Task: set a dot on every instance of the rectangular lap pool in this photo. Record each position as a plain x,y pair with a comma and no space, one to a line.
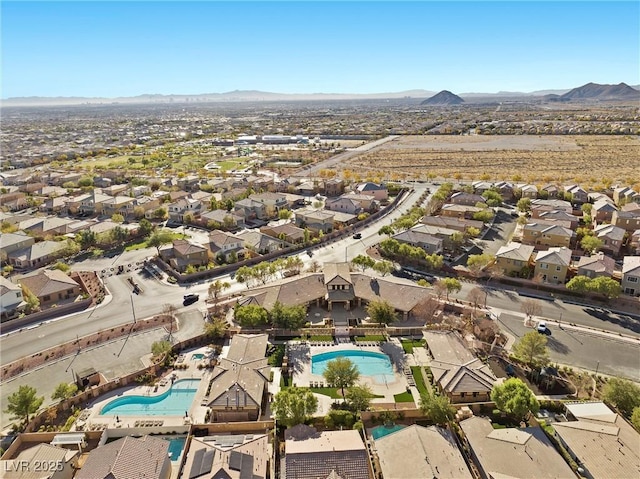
174,402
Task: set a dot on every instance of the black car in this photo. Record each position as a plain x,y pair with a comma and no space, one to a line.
190,299
357,236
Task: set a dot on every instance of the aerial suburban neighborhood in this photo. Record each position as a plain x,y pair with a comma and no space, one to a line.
196,296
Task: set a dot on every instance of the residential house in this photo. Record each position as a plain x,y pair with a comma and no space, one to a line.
631,275
115,190
306,188
42,461
418,451
316,220
427,242
552,204
578,194
456,371
379,192
628,217
185,208
15,201
273,202
250,209
101,182
310,454
480,187
525,453
552,265
128,457
345,205
602,211
11,242
87,204
261,243
558,217
505,189
529,191
445,234
54,205
552,191
623,195
231,456
596,265
612,238
50,226
226,245
239,380
36,255
634,242
222,219
513,257
11,300
542,233
602,442
186,253
146,204
287,232
333,187
458,224
367,202
467,199
140,190
189,183
51,286
459,211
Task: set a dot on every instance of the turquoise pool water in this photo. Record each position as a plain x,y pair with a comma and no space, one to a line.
176,445
174,402
197,357
382,431
375,365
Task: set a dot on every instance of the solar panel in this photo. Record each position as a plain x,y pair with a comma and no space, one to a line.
235,460
202,463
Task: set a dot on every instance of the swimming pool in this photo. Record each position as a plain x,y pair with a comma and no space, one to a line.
176,445
374,365
381,431
197,357
174,402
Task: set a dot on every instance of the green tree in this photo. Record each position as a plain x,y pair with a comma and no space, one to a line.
485,216
437,408
452,285
145,227
623,394
33,303
160,213
119,234
606,286
472,232
159,348
362,262
514,398
341,373
382,312
24,402
158,239
244,275
86,238
117,218
359,397
579,284
477,262
251,315
524,205
294,405
64,267
386,230
635,418
383,267
591,244
532,349
216,288
215,329
288,317
493,198
284,214
64,391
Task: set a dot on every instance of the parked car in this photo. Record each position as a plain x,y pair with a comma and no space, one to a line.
542,327
357,236
190,299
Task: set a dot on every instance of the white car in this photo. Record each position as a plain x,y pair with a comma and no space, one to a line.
542,327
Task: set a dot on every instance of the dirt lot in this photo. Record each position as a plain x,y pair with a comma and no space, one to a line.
592,161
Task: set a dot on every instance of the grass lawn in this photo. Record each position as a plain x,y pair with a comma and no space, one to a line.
403,397
409,345
143,244
417,376
322,338
333,393
286,382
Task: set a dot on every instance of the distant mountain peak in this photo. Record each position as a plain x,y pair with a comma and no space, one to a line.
443,98
596,91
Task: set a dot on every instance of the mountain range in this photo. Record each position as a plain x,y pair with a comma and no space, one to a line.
588,92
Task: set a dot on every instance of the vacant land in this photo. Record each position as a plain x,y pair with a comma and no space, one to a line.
592,161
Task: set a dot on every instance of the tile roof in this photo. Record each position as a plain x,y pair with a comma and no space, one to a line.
37,456
517,251
418,451
48,282
557,256
128,458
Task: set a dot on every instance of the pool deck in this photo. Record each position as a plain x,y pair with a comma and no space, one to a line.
300,354
91,419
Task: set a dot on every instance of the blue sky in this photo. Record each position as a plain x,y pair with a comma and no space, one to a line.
112,49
